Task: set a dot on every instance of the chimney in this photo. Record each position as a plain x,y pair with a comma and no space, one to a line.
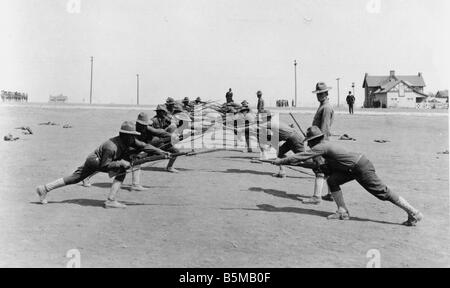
392,73
420,74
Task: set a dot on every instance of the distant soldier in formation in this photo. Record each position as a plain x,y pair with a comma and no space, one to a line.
198,101
170,103
163,121
247,118
229,106
187,105
260,105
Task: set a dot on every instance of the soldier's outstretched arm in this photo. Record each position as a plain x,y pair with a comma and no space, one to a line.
148,148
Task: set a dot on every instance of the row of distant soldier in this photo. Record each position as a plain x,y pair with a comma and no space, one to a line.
14,96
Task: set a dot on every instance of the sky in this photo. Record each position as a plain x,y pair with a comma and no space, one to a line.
200,48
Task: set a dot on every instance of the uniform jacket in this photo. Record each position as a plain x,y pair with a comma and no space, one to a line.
324,118
336,157
112,151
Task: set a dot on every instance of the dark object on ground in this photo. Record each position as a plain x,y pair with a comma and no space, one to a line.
10,137
346,137
381,141
26,130
67,126
445,152
49,123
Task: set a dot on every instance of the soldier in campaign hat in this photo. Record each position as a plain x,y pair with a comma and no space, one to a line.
343,166
112,156
324,117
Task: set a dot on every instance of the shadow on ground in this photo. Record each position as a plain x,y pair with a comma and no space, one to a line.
125,186
100,203
279,193
298,210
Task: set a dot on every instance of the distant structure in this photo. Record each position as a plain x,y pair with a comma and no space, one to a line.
393,91
58,99
442,95
8,96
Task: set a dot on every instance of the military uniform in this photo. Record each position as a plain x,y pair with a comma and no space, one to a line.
324,118
293,139
107,158
343,166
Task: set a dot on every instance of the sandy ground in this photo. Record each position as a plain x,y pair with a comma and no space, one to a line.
221,210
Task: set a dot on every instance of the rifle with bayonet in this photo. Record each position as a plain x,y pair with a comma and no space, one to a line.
136,161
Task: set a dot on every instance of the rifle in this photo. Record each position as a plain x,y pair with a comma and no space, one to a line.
298,125
302,164
140,161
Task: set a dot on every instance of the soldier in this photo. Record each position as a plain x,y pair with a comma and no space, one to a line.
170,104
112,156
229,106
246,117
350,101
344,166
268,127
324,117
164,122
198,101
260,105
187,106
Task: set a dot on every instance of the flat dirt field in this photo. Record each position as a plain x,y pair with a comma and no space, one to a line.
222,210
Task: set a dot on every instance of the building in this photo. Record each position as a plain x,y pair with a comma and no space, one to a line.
393,91
58,99
8,96
442,96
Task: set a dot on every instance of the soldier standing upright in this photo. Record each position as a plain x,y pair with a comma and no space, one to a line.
324,117
350,101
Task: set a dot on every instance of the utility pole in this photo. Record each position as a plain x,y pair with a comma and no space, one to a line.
295,78
137,87
337,79
92,66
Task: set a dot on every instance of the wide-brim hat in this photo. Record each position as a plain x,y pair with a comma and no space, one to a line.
321,87
143,119
313,132
183,116
128,127
161,107
170,101
244,108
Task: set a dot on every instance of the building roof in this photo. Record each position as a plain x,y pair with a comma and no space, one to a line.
388,86
442,94
379,81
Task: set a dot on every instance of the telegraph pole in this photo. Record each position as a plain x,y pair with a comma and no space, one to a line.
90,94
295,78
337,79
137,88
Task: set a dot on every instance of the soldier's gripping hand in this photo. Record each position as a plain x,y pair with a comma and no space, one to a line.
167,155
124,164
